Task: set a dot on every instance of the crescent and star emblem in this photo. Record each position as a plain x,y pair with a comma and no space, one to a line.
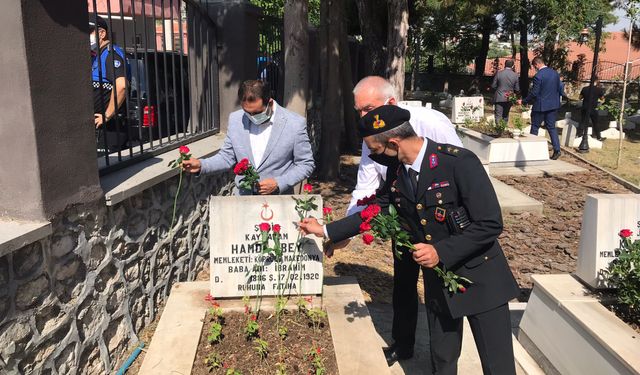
266,213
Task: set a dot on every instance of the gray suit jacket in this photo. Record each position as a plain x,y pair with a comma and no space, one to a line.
504,81
287,157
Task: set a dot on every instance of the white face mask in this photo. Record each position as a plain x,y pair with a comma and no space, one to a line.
261,117
92,40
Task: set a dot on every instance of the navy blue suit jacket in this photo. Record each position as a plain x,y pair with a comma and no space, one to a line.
546,91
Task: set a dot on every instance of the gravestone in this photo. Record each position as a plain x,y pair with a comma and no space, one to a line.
238,266
612,132
467,107
603,217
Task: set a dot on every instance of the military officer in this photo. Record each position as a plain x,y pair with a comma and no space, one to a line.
448,206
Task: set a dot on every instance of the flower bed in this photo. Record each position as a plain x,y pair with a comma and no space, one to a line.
294,341
526,150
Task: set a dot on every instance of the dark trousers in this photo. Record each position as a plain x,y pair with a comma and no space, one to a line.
491,333
502,111
405,300
593,115
549,118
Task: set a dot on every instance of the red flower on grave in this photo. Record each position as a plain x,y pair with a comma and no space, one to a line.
365,226
307,188
368,238
265,227
462,289
318,350
254,317
309,299
276,228
326,211
626,233
246,309
184,150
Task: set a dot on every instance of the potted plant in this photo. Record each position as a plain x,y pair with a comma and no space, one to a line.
518,125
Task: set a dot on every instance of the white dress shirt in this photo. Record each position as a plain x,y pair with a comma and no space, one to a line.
259,136
427,123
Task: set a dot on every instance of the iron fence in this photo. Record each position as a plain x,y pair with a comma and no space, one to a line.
161,59
271,54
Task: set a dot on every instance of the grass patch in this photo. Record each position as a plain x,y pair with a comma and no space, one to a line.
629,167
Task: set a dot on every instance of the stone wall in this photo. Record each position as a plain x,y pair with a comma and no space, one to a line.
74,302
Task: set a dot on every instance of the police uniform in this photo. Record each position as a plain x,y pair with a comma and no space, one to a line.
107,65
455,209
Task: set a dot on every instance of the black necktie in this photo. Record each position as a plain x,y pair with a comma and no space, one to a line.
413,178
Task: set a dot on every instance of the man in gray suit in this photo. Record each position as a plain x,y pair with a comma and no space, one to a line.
504,81
274,140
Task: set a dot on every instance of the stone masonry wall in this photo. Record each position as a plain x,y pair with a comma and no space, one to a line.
74,302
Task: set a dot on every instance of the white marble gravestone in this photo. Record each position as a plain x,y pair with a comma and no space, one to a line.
238,267
603,217
467,107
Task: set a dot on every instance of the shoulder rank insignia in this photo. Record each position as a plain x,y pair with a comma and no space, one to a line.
450,150
433,161
440,214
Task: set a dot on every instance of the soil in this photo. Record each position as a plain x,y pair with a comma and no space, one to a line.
237,352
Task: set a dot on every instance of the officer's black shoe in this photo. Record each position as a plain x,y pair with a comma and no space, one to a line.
395,353
556,155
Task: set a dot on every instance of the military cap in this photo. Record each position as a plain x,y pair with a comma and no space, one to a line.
382,119
102,24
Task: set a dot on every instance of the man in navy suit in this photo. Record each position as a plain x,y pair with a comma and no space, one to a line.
545,97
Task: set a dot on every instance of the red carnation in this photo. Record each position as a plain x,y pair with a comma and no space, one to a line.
307,188
318,350
241,167
309,299
276,228
462,289
370,212
365,226
265,227
254,317
326,210
184,150
367,238
625,233
366,200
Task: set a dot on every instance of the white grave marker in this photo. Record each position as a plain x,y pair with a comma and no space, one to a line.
603,217
467,107
239,268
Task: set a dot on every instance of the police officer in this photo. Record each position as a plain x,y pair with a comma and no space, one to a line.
108,66
446,199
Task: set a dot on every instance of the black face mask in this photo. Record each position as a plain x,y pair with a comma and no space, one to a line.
384,159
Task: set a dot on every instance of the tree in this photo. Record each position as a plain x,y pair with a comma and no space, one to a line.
398,27
296,56
332,101
373,24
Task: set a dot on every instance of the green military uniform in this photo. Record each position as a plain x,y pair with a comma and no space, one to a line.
452,178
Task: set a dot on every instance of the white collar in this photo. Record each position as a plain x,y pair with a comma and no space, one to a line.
417,164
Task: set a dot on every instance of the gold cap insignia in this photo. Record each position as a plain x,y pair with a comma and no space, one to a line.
378,123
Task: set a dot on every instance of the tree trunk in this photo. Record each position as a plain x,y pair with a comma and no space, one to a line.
513,46
332,105
397,44
484,46
296,56
351,139
373,37
524,56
